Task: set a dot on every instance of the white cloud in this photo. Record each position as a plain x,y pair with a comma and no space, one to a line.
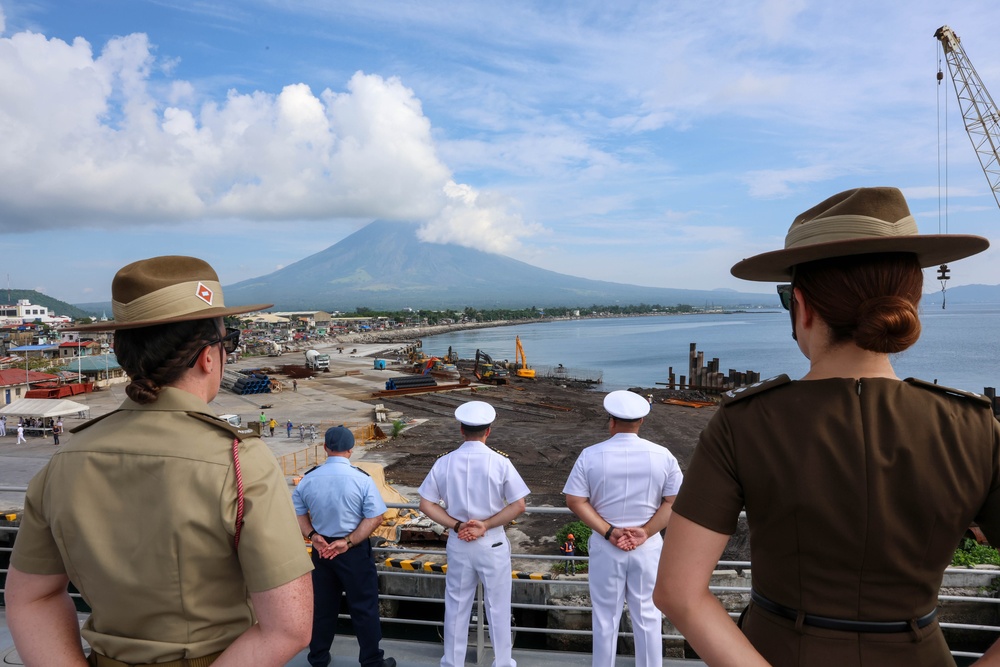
477,220
93,144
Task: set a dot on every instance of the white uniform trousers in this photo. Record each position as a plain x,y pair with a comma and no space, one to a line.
487,560
618,576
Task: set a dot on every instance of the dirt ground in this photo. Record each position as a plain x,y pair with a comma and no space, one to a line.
542,426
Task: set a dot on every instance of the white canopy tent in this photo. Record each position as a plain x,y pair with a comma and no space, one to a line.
43,407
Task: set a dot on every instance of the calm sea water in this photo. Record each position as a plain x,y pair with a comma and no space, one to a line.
959,347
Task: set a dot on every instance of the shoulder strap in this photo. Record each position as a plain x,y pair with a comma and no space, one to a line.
950,391
740,393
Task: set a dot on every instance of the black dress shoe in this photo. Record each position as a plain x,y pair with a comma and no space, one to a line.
389,662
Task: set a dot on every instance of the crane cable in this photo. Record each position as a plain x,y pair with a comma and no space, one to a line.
943,269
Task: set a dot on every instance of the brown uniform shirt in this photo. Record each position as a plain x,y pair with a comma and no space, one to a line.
857,491
139,510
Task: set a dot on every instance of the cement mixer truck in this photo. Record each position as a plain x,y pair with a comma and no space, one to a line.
316,361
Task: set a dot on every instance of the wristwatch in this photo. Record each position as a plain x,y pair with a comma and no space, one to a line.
607,535
310,535
350,545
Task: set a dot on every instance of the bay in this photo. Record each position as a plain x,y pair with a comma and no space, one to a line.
959,347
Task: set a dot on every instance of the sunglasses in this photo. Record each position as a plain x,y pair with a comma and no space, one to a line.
786,296
230,341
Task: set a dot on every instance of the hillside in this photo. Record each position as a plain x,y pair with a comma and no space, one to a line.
12,296
384,266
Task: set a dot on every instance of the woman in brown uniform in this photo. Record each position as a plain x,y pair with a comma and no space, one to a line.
857,485
177,528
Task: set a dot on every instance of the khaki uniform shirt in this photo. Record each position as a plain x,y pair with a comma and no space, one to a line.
139,510
857,492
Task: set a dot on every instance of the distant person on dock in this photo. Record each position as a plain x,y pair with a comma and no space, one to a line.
302,432
295,384
288,428
338,507
568,549
144,510
857,485
623,488
3,425
482,492
272,424
57,431
20,435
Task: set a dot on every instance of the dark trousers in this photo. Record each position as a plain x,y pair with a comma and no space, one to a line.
352,572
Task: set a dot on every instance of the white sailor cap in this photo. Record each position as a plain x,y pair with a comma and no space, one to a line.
626,405
475,413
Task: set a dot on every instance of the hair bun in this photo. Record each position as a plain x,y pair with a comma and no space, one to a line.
887,324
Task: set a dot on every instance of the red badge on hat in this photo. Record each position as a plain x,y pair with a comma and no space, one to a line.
205,294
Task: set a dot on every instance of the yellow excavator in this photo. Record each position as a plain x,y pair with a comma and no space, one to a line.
521,362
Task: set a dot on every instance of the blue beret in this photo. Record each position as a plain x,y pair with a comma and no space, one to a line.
339,439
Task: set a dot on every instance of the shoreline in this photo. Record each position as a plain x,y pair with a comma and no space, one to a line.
413,334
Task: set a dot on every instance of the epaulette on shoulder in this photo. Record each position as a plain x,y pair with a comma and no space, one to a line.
740,393
363,472
89,423
958,393
503,454
310,470
238,432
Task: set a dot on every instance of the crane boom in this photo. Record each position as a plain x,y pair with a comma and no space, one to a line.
982,120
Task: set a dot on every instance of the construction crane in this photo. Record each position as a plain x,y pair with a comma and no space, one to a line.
982,120
520,361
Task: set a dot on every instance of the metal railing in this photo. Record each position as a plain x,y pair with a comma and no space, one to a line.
299,461
478,625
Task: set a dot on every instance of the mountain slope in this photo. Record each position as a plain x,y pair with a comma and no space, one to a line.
55,306
384,266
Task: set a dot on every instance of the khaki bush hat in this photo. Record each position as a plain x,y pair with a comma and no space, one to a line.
163,290
857,222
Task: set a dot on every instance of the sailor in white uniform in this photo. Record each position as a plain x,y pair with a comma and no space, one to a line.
482,493
623,488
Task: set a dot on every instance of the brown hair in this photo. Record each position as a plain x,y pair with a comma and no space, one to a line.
871,299
156,356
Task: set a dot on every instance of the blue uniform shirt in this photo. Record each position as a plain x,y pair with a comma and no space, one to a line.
337,496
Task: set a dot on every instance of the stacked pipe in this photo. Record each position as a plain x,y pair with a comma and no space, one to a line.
409,381
252,384
229,378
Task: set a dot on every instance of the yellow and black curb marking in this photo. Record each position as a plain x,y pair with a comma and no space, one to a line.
428,566
404,564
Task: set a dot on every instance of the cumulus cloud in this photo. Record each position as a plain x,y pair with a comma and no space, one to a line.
476,220
95,140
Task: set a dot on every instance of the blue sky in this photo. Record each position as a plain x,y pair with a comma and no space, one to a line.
652,143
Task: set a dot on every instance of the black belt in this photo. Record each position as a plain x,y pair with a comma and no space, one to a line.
840,624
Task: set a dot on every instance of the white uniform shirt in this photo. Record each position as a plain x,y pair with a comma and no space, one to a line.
474,481
625,477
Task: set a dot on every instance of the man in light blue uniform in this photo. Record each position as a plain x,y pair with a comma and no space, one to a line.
338,507
482,493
